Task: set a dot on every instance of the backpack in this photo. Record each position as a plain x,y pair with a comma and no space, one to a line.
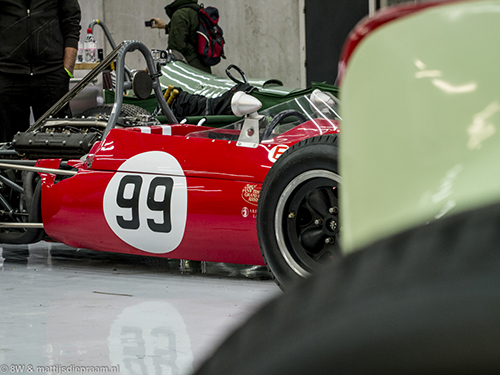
210,42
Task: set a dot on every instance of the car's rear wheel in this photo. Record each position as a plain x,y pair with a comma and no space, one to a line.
298,213
20,203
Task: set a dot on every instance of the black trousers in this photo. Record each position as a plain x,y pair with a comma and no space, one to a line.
19,92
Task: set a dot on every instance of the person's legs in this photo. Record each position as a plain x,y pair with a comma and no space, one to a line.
14,106
48,89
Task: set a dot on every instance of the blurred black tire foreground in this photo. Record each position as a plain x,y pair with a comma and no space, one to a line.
422,302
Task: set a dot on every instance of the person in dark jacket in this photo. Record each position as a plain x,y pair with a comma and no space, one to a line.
182,31
39,44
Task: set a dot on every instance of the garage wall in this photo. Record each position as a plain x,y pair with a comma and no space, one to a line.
264,38
328,23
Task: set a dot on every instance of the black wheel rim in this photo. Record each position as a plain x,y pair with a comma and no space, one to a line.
307,221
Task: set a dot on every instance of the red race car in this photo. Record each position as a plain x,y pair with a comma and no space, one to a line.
177,190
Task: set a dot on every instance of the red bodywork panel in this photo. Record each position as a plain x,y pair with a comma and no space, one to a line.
177,196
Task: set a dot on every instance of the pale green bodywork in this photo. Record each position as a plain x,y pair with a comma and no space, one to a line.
421,132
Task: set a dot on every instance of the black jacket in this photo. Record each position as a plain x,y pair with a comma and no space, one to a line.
34,33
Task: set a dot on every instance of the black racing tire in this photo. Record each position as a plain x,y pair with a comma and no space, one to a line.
33,188
424,301
15,254
298,212
127,110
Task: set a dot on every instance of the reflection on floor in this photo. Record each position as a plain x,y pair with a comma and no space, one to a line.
69,310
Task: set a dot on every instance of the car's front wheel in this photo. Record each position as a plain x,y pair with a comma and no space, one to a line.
298,214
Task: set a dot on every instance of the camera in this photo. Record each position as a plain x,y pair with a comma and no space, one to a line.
149,23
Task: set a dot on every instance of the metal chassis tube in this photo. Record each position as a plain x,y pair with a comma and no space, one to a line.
130,46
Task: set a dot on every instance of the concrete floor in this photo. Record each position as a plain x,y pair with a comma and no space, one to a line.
77,308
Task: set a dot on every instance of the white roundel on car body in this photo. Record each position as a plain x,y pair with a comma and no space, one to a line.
276,152
145,202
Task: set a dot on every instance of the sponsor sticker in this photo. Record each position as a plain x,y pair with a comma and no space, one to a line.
245,212
250,194
249,212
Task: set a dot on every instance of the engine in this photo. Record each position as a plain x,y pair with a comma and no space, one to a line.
70,138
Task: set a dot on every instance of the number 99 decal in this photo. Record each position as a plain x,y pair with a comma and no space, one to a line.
145,203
